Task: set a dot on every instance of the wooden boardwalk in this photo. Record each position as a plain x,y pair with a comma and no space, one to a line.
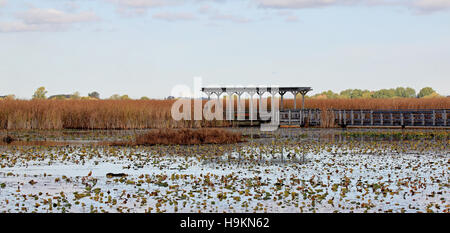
402,118
358,118
312,117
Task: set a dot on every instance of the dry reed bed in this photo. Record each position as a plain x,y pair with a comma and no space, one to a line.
144,114
184,137
86,114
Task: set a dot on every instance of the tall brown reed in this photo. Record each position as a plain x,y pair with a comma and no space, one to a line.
143,114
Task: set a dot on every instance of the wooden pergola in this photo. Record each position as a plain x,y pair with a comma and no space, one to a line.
260,91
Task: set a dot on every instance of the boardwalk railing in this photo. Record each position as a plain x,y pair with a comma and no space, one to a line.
429,117
343,117
300,117
312,117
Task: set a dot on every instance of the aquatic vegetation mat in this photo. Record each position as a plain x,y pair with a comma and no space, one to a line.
397,135
279,174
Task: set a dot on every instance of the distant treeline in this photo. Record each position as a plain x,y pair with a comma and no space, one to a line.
399,92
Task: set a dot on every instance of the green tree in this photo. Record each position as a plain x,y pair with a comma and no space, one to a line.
432,95
40,93
400,92
410,92
366,94
124,97
353,93
384,93
346,93
425,91
144,98
329,94
356,93
94,94
405,92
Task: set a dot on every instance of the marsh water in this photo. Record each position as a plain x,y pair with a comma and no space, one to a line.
288,170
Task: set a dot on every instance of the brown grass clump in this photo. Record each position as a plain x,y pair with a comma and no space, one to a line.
186,137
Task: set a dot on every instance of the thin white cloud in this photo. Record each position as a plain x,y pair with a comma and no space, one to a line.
303,3
142,3
71,6
53,16
158,3
292,18
167,16
431,5
131,8
288,15
214,14
229,17
3,3
204,9
37,19
416,5
23,27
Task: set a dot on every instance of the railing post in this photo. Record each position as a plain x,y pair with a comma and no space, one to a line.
423,118
362,118
434,118
295,99
289,116
317,117
240,114
401,118
253,110
412,119
392,119
301,117
445,117
381,118
345,118
310,116
351,117
371,117
230,107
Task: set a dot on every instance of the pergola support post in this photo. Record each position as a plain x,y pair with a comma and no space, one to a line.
281,99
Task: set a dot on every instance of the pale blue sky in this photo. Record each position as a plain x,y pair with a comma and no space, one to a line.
146,47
